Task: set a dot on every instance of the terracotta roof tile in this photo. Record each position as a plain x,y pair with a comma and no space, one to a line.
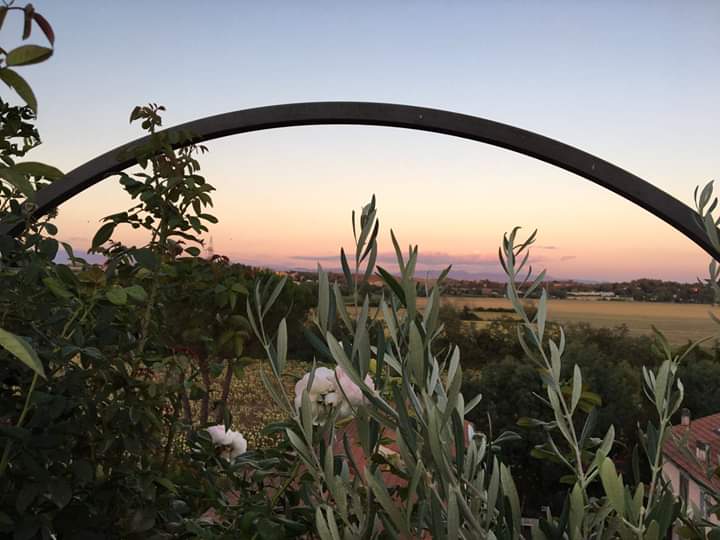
705,429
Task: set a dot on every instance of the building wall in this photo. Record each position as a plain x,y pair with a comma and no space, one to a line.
672,473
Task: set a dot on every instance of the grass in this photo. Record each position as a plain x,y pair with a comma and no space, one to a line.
252,407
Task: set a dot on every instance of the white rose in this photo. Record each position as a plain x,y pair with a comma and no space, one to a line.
331,389
323,384
231,443
351,390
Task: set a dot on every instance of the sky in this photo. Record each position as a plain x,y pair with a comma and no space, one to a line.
634,83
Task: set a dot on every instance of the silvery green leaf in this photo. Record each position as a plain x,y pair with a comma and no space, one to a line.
346,268
577,512
637,501
383,497
443,275
705,196
302,449
341,358
322,525
398,253
434,377
405,453
493,491
653,531
471,519
522,264
711,230
661,384
509,490
554,397
393,363
416,355
328,469
251,318
413,489
460,405
409,288
282,344
413,398
558,453
436,443
431,311
371,243
258,299
363,348
306,415
588,427
541,315
576,388
613,486
389,321
342,308
453,517
472,404
371,262
361,325
536,283
323,299
364,233
555,361
332,524
341,492
274,296
454,389
277,396
520,329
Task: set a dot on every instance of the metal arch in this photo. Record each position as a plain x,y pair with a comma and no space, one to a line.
625,184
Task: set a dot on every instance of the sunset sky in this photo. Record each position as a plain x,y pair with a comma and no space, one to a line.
635,83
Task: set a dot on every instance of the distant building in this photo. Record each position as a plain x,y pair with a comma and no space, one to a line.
591,295
687,473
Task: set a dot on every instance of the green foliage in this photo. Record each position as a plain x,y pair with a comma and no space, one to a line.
99,436
636,508
24,54
109,377
436,483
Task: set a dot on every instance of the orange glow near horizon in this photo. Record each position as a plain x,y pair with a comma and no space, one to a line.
285,208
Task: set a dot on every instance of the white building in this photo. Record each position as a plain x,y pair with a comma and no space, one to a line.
591,295
686,469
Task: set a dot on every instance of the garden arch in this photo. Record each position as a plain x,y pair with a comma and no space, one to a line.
603,173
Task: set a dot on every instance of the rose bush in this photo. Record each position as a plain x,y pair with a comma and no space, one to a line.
107,375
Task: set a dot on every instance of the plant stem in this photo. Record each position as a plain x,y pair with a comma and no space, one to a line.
286,484
6,452
225,392
171,435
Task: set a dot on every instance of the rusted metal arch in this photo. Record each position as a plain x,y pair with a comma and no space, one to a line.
605,174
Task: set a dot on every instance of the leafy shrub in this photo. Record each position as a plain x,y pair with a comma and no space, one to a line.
115,380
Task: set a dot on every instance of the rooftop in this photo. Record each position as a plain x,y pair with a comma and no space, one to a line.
701,430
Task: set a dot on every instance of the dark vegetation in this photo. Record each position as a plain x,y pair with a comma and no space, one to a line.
640,290
107,371
611,361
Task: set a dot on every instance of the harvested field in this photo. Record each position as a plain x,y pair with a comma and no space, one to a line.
679,322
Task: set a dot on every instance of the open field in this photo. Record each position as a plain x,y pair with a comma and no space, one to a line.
679,322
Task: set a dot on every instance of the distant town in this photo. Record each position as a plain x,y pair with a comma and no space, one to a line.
638,290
